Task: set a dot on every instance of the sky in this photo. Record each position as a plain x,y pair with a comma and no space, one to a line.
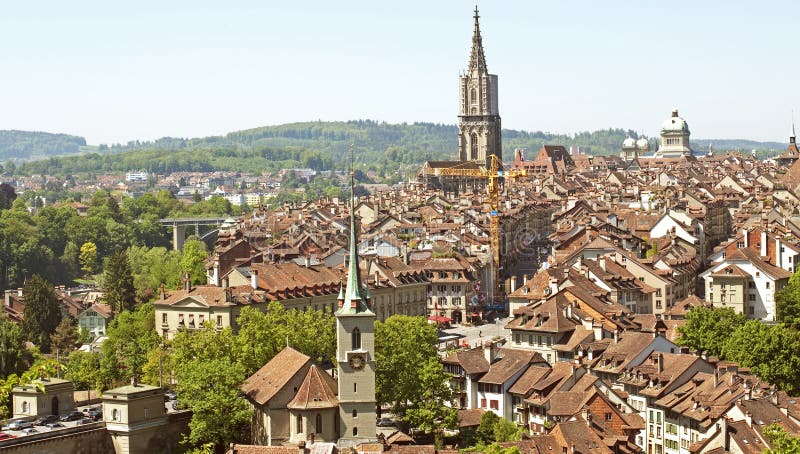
118,71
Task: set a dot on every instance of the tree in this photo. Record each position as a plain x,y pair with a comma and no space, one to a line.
430,411
88,257
193,260
770,351
7,196
781,440
211,390
41,314
209,378
485,431
707,328
402,344
12,348
787,302
118,283
505,430
129,337
83,370
65,337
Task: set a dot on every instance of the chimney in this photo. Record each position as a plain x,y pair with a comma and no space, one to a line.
488,351
748,418
513,283
602,262
746,235
308,262
524,280
215,275
660,361
553,286
187,282
163,292
616,335
764,243
254,278
225,282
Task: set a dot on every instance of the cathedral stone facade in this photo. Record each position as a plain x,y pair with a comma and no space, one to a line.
479,118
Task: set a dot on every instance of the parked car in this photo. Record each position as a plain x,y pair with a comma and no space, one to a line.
29,430
95,413
386,422
44,420
53,425
83,421
5,436
175,404
74,416
170,395
19,425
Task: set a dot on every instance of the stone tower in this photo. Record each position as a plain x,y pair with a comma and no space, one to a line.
478,118
355,353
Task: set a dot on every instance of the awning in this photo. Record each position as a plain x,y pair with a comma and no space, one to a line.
439,319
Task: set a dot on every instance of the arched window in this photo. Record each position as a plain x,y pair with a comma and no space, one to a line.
355,431
473,96
356,339
115,415
25,406
299,422
319,423
473,146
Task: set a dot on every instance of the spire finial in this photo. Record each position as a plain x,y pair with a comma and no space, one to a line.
793,136
477,59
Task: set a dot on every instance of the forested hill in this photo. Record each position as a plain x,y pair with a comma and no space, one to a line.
25,145
318,145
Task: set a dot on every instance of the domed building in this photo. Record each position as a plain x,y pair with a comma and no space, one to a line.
674,138
628,149
632,148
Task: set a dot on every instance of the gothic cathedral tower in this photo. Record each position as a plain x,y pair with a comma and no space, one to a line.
355,353
478,118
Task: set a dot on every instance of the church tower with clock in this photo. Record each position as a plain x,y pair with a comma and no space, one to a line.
478,117
355,353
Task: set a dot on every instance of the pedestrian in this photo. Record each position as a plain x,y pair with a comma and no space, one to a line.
479,333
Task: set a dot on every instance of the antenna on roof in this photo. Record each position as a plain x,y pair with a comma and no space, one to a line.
287,340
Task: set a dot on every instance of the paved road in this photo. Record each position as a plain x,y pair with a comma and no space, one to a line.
474,335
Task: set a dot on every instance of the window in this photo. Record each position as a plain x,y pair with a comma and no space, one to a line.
483,403
180,319
355,431
493,404
25,406
164,319
751,297
356,339
473,146
442,288
767,284
202,319
530,339
299,423
355,413
146,413
219,320
608,416
538,340
115,415
318,421
355,388
516,338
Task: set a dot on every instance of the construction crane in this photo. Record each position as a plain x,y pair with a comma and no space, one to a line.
491,173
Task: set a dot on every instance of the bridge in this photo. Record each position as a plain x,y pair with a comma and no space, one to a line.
179,227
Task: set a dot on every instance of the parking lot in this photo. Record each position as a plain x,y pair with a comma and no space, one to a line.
81,416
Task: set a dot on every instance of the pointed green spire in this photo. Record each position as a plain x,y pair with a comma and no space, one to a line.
353,301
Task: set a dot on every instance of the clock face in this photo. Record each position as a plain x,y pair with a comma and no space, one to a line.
356,361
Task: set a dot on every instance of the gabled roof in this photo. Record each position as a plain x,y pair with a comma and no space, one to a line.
318,390
273,376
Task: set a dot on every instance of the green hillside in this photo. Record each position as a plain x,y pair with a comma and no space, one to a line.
321,145
26,145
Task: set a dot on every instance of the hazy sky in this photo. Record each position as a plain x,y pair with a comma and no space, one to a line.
146,69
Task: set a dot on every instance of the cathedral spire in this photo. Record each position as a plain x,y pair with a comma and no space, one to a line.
793,137
477,60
